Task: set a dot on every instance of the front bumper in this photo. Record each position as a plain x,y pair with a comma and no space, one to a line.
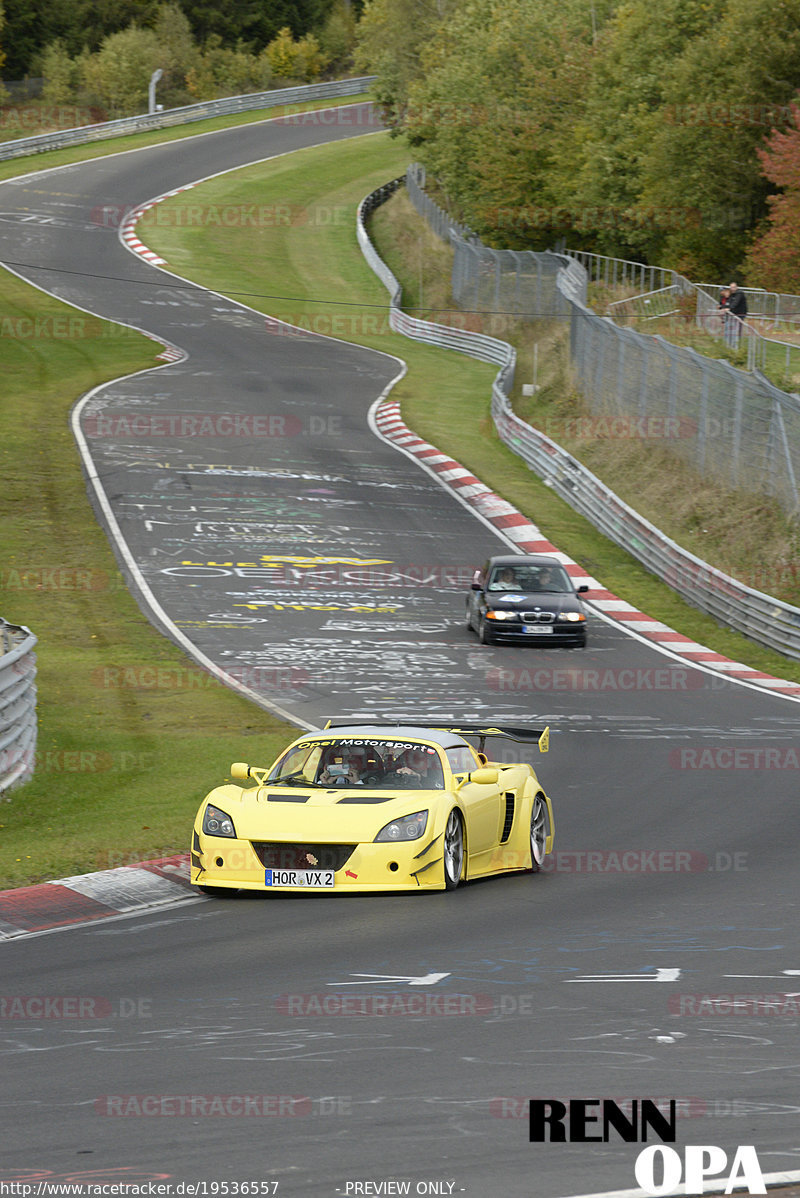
561,634
225,862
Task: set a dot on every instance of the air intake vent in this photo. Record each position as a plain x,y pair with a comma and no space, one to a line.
509,820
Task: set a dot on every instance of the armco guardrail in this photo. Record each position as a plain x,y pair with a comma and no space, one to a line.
184,116
17,705
758,616
476,345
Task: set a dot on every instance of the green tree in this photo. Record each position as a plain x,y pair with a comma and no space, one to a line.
390,38
117,76
492,115
626,107
222,71
337,37
60,75
179,54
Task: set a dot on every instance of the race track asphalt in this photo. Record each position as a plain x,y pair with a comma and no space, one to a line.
693,888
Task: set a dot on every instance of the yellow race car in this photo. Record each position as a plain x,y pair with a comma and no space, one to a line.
361,807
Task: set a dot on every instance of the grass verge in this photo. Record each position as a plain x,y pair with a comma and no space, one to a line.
131,734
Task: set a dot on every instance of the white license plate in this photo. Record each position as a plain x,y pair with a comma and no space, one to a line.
538,629
312,879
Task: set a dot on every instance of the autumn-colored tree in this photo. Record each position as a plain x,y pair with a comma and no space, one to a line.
3,92
773,259
723,94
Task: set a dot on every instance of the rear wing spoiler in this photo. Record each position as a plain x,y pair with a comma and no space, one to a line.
539,736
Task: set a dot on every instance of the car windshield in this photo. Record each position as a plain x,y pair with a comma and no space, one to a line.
529,579
360,761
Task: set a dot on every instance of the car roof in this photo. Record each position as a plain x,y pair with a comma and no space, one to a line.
519,559
437,736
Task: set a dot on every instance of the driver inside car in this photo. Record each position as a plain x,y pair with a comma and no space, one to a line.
419,768
342,765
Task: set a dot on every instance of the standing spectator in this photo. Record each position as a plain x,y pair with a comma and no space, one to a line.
737,307
722,311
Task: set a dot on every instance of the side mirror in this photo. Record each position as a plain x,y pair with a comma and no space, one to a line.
477,585
484,777
583,589
240,770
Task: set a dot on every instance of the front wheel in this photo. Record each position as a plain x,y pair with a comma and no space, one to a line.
217,891
540,829
484,635
453,851
468,620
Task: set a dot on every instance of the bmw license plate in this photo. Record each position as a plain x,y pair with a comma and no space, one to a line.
311,879
538,629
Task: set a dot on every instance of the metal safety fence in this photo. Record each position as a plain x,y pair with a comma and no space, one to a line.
562,284
17,705
230,105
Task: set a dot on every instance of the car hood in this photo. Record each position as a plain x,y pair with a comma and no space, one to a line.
556,601
339,816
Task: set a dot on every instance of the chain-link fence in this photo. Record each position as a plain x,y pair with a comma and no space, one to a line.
730,425
562,285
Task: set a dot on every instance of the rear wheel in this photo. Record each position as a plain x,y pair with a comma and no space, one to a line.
453,851
540,829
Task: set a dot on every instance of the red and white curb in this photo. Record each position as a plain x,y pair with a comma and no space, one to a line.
54,906
529,539
127,230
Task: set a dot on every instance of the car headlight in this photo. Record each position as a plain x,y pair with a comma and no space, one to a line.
573,617
217,823
409,827
502,615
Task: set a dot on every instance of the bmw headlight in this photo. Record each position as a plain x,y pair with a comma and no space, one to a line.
217,823
572,617
502,615
409,827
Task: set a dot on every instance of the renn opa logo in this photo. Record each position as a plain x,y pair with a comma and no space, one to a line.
590,1120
